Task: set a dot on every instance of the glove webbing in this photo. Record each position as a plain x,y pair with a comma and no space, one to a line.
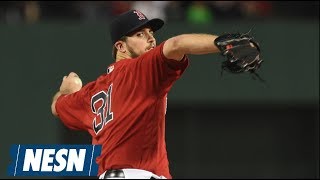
253,73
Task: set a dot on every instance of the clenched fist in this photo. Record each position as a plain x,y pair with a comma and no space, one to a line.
70,84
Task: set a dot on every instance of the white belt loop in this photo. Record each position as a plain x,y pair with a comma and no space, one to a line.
102,175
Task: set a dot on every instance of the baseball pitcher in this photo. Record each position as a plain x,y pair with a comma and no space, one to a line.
124,108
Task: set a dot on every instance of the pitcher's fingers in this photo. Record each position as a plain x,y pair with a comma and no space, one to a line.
73,74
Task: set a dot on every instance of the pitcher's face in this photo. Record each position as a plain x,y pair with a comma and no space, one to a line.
140,42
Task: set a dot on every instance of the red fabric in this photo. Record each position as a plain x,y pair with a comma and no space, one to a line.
133,132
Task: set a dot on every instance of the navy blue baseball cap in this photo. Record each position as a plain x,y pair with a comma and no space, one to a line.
131,21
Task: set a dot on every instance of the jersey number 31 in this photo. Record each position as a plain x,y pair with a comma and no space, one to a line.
104,110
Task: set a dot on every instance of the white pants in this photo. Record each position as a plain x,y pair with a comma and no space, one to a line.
135,174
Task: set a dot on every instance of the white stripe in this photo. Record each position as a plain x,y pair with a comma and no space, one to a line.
15,169
91,159
131,173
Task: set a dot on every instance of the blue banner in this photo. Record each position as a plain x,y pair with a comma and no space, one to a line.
53,160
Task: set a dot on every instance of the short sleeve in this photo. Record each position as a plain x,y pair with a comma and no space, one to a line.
70,110
156,73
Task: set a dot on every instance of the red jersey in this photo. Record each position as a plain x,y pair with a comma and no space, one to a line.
124,111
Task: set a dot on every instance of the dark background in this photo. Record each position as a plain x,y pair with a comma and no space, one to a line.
229,126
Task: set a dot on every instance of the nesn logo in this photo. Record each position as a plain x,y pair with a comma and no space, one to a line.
64,159
54,160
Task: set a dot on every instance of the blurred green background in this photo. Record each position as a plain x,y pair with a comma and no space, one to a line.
229,126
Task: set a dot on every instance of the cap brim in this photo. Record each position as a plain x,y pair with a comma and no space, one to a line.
154,24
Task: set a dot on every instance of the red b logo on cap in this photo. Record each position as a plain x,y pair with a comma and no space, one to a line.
140,15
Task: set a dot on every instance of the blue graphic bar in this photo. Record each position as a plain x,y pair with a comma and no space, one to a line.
53,160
